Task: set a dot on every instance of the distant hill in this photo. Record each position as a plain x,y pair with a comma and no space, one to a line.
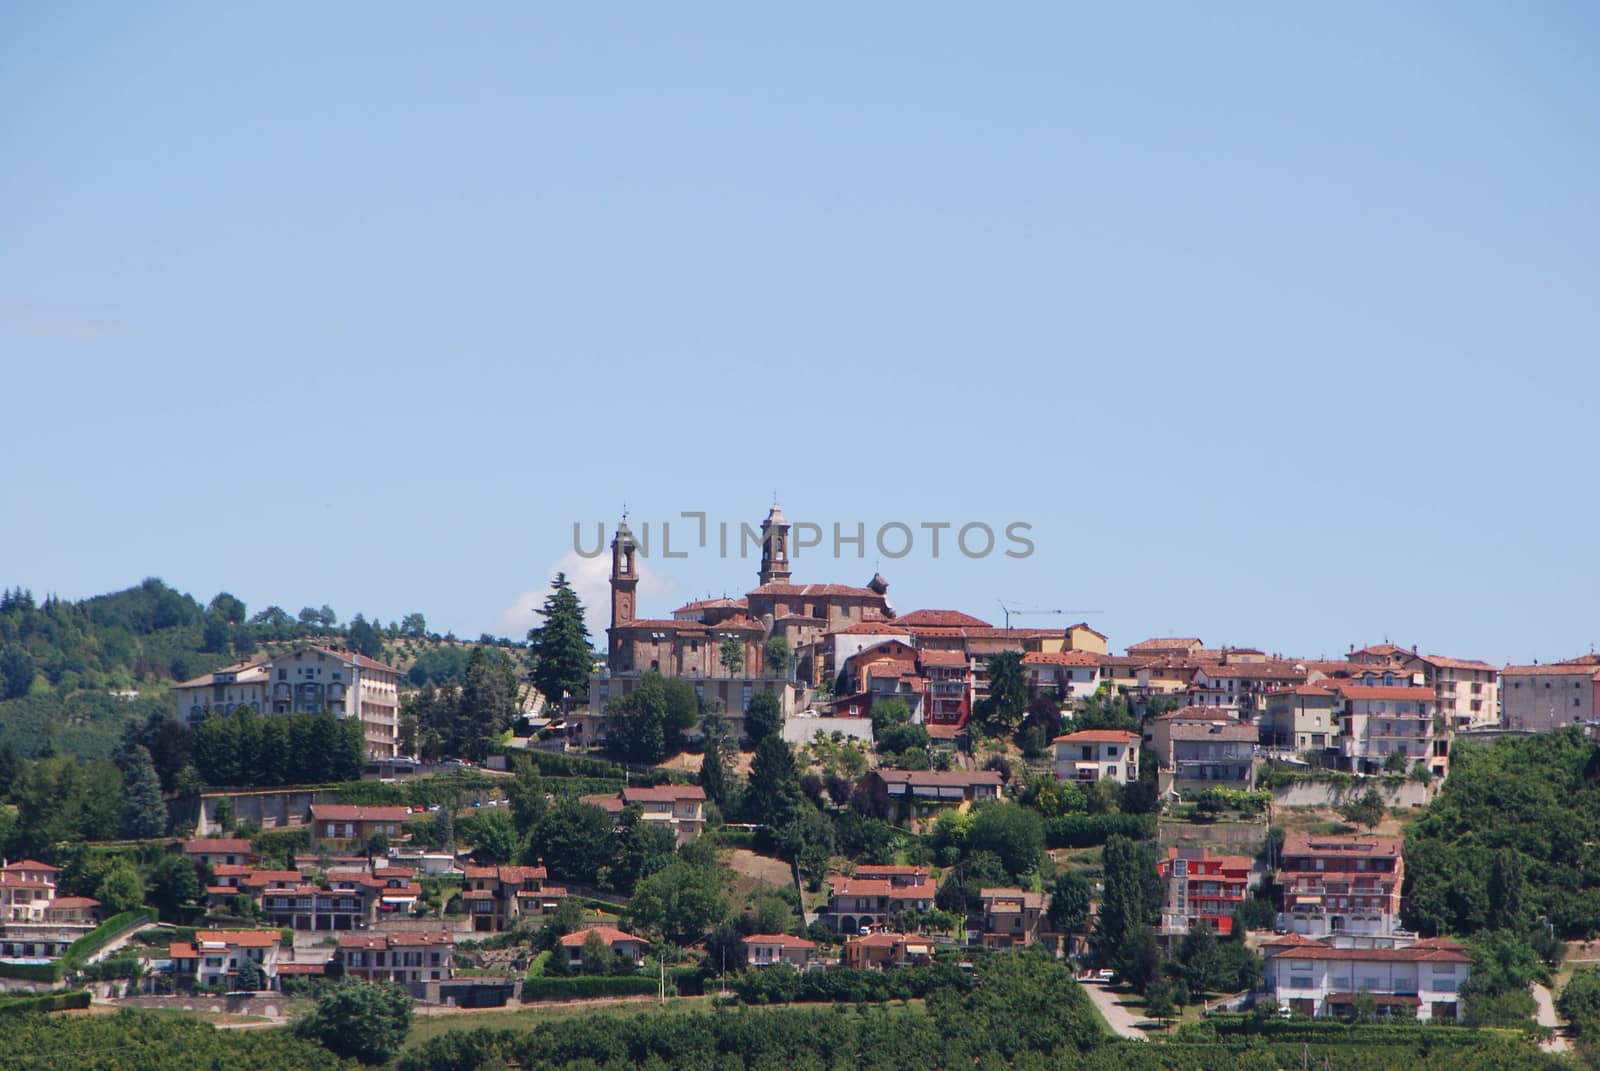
72,674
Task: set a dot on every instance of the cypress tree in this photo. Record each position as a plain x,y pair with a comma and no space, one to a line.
143,813
562,655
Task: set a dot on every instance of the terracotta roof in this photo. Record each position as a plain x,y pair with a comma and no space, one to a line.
612,804
884,870
1033,900
1170,643
1318,690
1427,950
73,902
1194,713
1197,731
783,939
943,731
866,628
1086,627
1552,669
609,934
1298,844
1455,663
349,812
1064,658
942,658
711,604
32,864
1273,670
1401,693
234,668
1386,650
942,619
351,658
232,870
737,623
946,778
880,887
888,940
662,794
238,938
262,877
218,846
815,590
662,624
1097,736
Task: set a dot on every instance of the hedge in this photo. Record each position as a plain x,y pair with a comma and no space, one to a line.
79,950
632,985
783,984
1093,830
70,999
555,764
1302,1030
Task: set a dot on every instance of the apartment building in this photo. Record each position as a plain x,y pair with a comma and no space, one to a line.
1202,755
1544,698
876,897
1201,887
1324,978
1069,674
680,808
1241,683
497,897
1467,691
1090,755
411,959
908,796
1331,885
350,900
1010,917
219,851
1377,721
215,956
1301,718
307,680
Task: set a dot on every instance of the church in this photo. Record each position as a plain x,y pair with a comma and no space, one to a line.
690,643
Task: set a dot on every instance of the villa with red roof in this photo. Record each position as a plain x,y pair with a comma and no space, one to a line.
766,949
1324,978
1089,755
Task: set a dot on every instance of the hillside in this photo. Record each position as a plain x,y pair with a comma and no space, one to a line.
72,674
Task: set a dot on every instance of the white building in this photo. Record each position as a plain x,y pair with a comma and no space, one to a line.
306,680
1324,978
1092,754
1072,674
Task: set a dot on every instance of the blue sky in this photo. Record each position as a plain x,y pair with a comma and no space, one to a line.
1277,325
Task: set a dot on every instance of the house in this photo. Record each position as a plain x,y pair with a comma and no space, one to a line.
948,699
339,825
215,956
1467,690
498,896
1201,887
1239,683
765,949
350,900
860,903
681,808
1323,978
1070,674
909,795
1377,721
899,875
1215,754
72,911
219,851
1089,755
888,950
1171,647
1301,718
624,945
412,958
309,679
1079,637
1543,698
1340,885
26,890
1010,917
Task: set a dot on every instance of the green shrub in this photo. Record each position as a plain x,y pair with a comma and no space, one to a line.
582,988
69,999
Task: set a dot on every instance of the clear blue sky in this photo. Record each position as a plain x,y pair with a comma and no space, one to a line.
1277,324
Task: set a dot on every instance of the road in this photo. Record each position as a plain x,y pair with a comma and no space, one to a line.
1546,1016
1123,1022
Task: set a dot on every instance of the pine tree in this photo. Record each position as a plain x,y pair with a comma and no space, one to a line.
143,813
562,655
712,774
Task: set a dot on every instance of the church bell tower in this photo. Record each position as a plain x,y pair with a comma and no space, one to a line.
624,575
774,548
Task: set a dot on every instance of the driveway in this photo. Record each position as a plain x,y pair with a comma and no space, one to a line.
1546,1016
1124,1022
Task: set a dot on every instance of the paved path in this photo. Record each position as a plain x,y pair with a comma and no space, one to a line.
1123,1021
1546,1016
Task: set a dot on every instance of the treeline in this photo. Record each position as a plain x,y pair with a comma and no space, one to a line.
142,1041
245,749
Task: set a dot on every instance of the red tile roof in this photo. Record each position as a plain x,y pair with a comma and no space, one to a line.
782,939
816,590
1097,736
941,619
866,628
218,846
32,864
1170,643
1297,844
662,794
1394,693
1552,669
1427,950
711,604
349,812
1063,658
942,658
609,934
885,870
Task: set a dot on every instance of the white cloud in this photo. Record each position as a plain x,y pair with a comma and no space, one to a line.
591,579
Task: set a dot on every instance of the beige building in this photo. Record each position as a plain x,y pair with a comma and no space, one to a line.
306,680
1302,718
1092,754
1468,691
1543,698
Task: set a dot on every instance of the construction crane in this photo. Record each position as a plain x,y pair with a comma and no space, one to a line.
1028,612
